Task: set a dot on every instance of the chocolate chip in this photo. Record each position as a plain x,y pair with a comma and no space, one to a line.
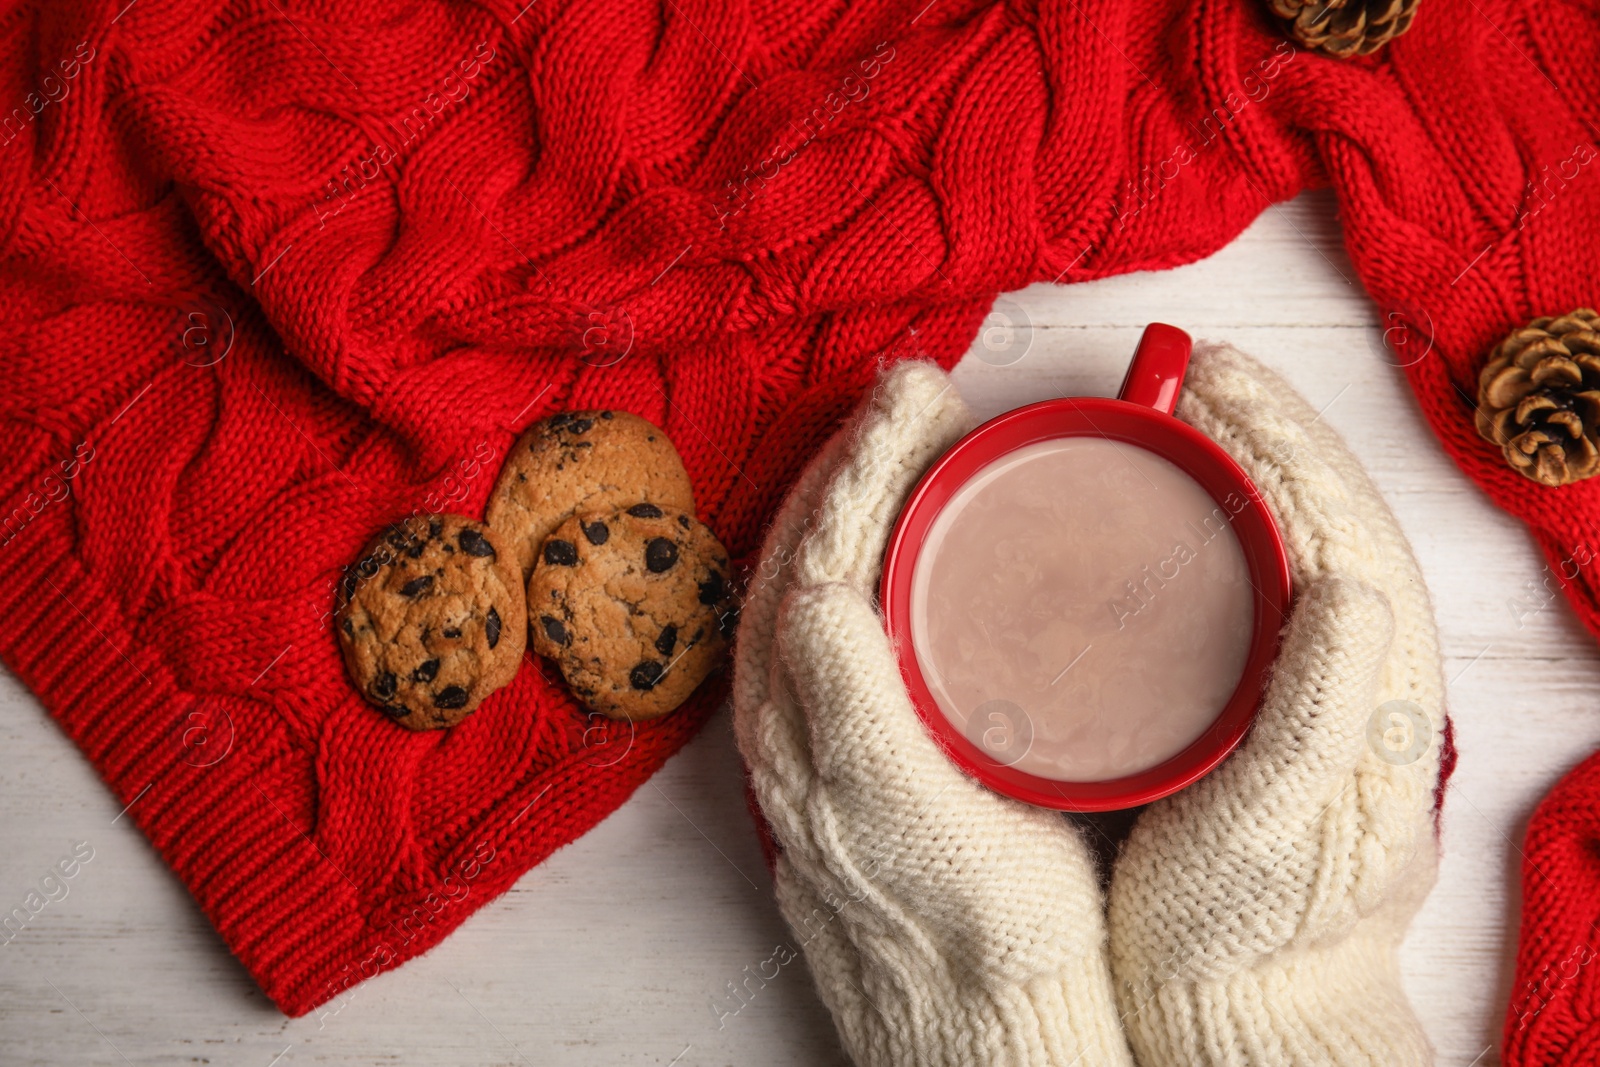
645,511
435,529
451,631
561,419
383,685
417,586
426,671
597,532
605,415
581,426
349,628
450,697
395,711
667,640
396,537
660,554
559,553
683,520
474,543
727,621
555,631
417,549
645,675
713,589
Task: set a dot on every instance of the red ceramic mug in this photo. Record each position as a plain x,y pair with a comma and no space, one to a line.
1141,415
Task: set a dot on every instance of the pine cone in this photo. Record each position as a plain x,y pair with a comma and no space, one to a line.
1345,28
1539,398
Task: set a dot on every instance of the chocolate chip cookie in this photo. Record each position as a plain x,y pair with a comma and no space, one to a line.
582,460
433,620
635,606
589,461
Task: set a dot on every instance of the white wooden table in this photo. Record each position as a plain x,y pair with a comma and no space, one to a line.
124,969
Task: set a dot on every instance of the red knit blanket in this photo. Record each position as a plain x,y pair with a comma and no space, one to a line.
276,273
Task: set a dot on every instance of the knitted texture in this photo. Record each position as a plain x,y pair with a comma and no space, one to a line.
279,272
943,923
1551,1018
1255,915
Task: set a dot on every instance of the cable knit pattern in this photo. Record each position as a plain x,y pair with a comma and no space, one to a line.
1255,916
279,272
943,924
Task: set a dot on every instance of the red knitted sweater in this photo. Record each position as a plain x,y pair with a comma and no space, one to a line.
277,272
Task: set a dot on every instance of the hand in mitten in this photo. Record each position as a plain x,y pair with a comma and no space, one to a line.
1255,915
943,924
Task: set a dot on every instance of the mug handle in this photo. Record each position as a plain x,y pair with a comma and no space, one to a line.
1156,373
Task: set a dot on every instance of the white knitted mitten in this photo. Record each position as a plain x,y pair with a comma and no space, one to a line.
1255,915
943,923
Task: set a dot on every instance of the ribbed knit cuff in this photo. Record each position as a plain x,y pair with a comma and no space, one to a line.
245,855
899,1001
1054,1020
1341,1005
